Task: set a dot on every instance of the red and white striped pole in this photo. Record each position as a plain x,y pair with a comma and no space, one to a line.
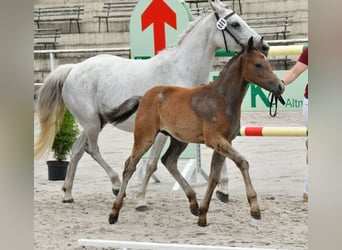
273,131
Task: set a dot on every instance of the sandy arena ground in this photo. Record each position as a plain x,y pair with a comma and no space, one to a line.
277,169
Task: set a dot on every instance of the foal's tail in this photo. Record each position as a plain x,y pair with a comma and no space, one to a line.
50,108
124,111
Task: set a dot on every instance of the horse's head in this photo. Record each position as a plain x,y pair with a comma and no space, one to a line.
235,30
258,70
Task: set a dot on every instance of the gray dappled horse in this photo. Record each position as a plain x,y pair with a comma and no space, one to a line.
92,87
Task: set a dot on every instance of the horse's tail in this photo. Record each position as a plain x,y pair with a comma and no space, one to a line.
124,111
50,108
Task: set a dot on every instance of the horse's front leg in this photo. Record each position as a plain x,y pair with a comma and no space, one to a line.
151,167
225,148
217,163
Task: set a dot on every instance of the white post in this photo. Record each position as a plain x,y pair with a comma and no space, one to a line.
52,61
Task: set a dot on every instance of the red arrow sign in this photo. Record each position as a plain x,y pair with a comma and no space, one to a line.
158,13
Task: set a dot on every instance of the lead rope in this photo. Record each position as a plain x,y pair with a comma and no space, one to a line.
271,99
274,102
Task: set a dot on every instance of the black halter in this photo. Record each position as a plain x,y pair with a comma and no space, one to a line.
222,25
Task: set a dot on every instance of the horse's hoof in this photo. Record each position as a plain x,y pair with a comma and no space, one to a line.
115,191
256,215
68,201
222,196
142,208
112,218
195,211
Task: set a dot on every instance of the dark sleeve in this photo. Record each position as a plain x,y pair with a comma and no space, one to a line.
303,58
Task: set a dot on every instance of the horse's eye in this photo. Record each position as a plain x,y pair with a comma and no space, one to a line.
258,65
235,25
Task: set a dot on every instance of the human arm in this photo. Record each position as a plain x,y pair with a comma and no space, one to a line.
294,72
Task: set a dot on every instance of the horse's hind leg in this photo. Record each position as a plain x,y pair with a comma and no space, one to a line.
92,130
222,192
169,159
151,167
217,163
76,153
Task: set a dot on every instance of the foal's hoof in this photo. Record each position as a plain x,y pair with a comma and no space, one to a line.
222,196
142,208
202,224
68,201
112,218
195,211
256,215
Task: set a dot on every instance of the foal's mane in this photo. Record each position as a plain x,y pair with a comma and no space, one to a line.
231,61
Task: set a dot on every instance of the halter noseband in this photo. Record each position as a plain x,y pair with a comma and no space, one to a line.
223,26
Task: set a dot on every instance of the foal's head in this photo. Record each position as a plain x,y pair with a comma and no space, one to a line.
258,70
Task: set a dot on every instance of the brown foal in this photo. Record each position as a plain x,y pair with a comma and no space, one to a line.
208,114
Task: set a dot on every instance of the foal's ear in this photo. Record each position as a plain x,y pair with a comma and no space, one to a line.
260,44
250,44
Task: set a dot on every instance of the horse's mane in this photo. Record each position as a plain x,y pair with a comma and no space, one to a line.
185,33
192,25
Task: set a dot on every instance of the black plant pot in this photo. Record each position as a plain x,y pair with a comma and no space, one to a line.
57,170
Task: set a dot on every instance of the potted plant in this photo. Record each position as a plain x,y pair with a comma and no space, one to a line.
61,147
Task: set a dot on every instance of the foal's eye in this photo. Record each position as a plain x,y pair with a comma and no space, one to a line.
235,25
258,65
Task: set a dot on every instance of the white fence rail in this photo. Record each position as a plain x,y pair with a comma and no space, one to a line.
155,246
127,49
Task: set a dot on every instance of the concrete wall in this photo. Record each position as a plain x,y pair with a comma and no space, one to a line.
119,30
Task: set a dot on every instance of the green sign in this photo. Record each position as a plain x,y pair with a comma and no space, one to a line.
157,24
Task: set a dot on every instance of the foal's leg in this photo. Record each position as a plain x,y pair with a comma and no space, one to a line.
217,162
151,167
225,148
169,159
141,145
77,152
130,167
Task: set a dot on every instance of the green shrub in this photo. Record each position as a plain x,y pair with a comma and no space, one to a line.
66,137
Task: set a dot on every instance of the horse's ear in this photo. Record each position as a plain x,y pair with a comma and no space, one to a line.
250,44
215,5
